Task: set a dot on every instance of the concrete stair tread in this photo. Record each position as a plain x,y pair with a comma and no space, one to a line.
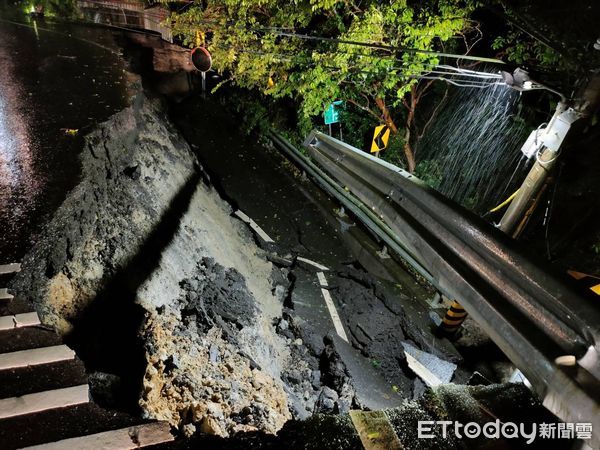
61,423
27,319
6,269
138,436
18,339
35,357
27,380
44,400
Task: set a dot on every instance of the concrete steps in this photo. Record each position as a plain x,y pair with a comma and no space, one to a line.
29,319
137,436
53,425
44,395
41,401
26,338
35,357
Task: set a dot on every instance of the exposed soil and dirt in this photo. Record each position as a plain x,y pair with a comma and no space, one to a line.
180,316
158,287
165,295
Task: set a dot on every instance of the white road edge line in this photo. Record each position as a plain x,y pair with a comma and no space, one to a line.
313,263
35,357
4,295
126,438
19,320
337,323
41,401
258,230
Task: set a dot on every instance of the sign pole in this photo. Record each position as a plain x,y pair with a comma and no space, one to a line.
329,129
341,134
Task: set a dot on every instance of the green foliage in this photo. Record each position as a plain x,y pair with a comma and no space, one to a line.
357,128
244,37
376,363
394,153
521,49
430,172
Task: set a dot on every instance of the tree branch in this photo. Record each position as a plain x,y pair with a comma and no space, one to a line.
433,115
364,108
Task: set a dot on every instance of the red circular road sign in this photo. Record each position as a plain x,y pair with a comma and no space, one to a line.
201,59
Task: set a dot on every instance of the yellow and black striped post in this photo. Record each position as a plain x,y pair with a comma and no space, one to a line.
453,319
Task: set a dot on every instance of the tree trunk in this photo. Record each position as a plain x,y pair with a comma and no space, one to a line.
385,112
408,149
387,118
409,154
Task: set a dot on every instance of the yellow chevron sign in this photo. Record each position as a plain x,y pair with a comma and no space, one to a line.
380,138
590,282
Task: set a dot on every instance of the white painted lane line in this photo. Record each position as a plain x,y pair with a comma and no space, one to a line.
322,279
126,438
35,356
4,295
9,268
312,263
242,216
337,323
19,320
258,230
41,401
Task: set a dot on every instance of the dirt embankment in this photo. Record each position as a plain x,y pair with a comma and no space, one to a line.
146,272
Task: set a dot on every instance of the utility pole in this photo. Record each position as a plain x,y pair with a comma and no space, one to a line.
513,221
526,199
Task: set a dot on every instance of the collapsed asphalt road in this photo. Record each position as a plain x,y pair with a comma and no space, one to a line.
214,287
159,285
177,313
379,303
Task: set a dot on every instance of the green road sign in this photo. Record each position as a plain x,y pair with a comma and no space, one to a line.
332,113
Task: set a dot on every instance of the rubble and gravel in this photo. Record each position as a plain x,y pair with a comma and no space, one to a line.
167,296
159,287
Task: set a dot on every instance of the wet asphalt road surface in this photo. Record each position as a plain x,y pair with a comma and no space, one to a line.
303,222
53,77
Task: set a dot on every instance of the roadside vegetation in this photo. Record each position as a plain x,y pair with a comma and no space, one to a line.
304,52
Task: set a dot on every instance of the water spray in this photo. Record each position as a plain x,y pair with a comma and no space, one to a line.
545,144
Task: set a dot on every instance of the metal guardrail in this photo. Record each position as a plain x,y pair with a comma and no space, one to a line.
526,310
352,204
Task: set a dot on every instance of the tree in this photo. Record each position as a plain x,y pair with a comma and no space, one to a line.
309,50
